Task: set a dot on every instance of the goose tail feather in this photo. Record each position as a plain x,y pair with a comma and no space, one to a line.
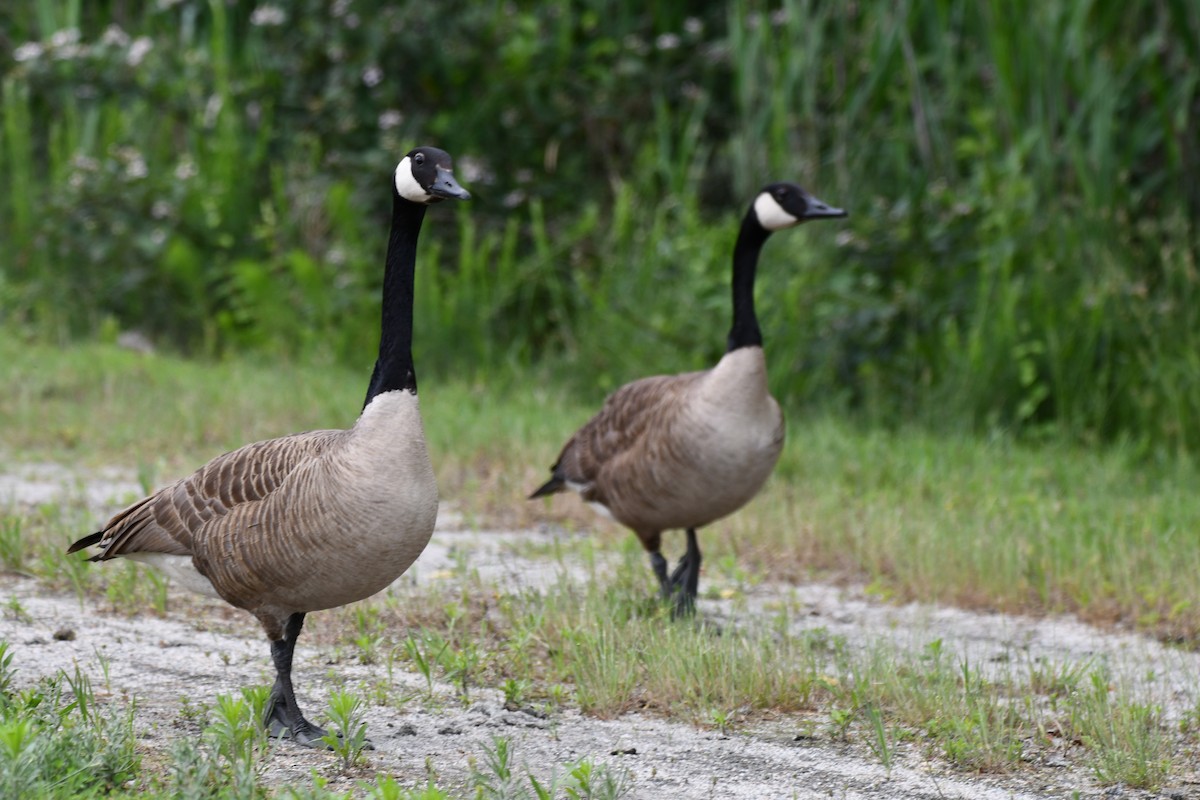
553,486
86,541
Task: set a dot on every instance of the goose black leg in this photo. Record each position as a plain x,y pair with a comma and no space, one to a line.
282,716
659,565
685,579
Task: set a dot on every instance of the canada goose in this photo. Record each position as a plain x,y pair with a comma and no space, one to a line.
682,451
318,519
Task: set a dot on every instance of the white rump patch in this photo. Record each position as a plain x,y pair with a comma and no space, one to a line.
599,508
771,215
407,185
602,510
179,569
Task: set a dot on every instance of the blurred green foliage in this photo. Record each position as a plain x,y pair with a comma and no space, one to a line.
1021,177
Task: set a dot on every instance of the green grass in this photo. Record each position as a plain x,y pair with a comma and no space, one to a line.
1098,532
58,741
604,645
990,523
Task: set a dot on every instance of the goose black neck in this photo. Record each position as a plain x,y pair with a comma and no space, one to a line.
745,331
394,367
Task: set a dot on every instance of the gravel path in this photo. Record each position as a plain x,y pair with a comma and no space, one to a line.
204,649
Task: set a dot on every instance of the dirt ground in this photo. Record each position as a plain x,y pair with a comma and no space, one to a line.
202,650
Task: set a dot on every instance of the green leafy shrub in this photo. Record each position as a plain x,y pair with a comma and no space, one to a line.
1020,252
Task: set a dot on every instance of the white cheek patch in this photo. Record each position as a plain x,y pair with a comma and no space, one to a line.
771,215
407,185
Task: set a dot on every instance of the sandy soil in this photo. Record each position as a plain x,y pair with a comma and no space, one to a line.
203,650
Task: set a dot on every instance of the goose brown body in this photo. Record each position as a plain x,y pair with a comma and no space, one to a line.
300,523
312,520
679,451
683,451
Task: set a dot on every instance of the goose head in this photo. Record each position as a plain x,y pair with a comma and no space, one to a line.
424,176
785,205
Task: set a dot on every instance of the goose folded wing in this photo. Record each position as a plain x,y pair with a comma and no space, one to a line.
165,521
626,424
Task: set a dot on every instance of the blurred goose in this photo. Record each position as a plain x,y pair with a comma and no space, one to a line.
682,451
318,519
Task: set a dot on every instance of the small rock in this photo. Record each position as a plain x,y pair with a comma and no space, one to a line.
408,729
64,635
518,721
449,730
535,712
624,751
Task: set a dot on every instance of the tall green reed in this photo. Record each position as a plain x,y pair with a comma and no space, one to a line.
1020,253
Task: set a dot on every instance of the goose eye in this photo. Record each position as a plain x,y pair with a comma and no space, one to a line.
419,158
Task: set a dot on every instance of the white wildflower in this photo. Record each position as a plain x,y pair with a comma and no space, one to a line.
64,37
138,50
161,209
212,110
185,169
135,163
84,163
29,51
693,25
69,52
667,41
114,36
372,76
390,119
268,16
513,199
340,7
